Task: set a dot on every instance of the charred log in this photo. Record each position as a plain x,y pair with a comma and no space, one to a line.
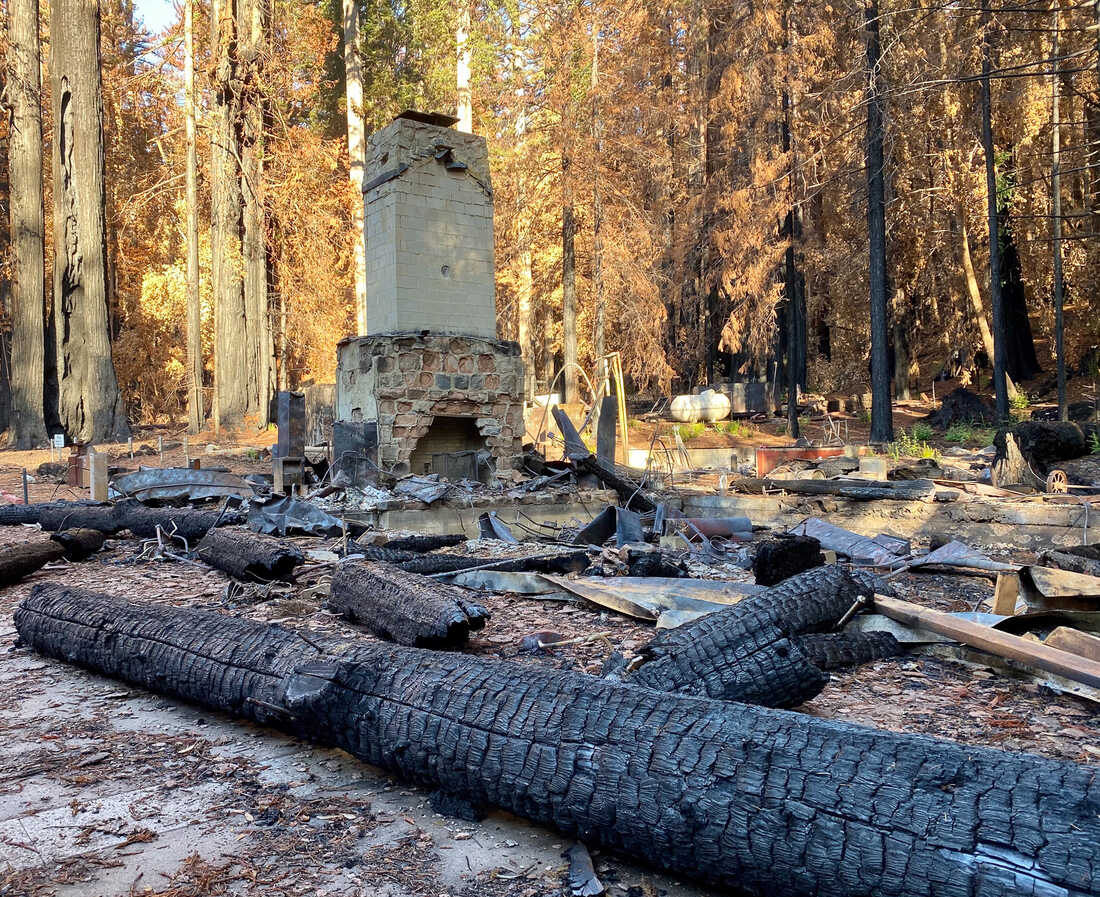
22,560
18,561
139,519
404,607
767,802
249,556
751,651
840,650
1085,559
427,564
421,544
784,557
961,406
79,544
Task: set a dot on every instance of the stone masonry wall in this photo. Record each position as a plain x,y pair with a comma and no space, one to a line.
404,380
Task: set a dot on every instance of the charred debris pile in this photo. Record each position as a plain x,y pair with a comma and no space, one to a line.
688,753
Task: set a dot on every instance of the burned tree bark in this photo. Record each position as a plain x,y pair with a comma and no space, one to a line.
751,651
23,90
231,373
840,650
249,556
743,797
404,607
89,403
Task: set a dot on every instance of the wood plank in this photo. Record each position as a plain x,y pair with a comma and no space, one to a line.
1043,657
1066,638
1006,594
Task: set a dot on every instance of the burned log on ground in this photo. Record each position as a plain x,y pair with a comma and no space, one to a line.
428,564
18,561
1077,559
785,556
764,801
961,406
423,543
404,607
79,544
249,556
750,651
109,518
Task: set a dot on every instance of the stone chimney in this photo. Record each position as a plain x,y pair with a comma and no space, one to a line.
429,220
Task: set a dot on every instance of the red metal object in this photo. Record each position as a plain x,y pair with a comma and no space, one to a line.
770,457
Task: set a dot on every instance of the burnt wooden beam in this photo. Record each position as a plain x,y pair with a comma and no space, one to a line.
762,801
583,460
249,556
407,608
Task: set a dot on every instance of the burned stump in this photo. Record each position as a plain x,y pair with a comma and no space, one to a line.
1044,444
763,801
961,407
751,651
784,557
249,556
404,607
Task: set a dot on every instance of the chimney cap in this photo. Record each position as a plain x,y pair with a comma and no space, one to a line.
439,119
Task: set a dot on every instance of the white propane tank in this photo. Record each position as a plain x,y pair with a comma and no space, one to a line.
708,406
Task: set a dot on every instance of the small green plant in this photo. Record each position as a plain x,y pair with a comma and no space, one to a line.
690,431
1094,442
1019,400
865,415
253,454
959,433
736,428
909,445
922,431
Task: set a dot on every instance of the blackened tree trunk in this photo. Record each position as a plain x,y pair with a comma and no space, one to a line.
1000,371
90,407
1056,221
231,375
1021,362
882,423
568,285
253,29
28,229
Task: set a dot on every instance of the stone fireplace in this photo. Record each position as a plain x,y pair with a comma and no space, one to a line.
430,372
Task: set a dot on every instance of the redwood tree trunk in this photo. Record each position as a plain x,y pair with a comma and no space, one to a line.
195,410
28,229
230,319
90,406
253,28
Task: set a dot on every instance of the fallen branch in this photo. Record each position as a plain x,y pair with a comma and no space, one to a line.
769,803
249,556
404,607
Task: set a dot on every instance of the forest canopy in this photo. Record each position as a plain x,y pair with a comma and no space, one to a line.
685,183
